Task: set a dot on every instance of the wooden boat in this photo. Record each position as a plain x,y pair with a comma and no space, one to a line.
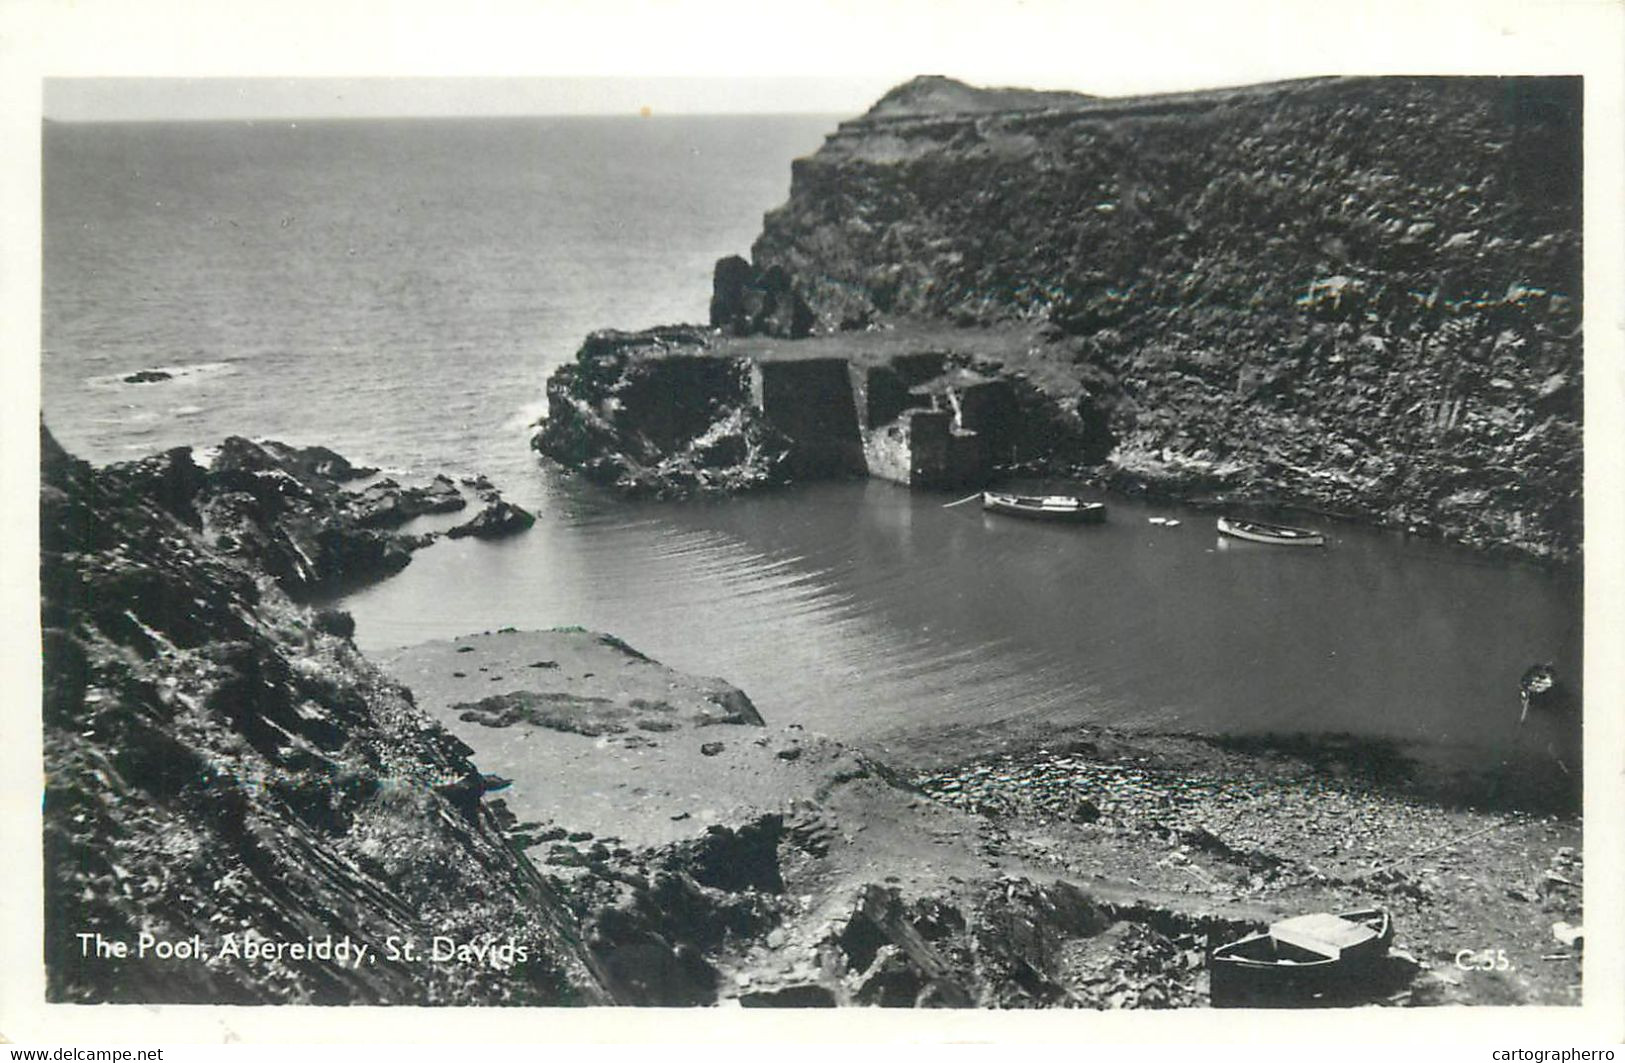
1256,531
1298,960
1045,507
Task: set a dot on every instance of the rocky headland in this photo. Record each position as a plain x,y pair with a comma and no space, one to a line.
1359,296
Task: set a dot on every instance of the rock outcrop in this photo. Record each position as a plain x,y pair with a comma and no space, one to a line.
657,412
711,856
1359,295
747,303
497,520
224,770
303,515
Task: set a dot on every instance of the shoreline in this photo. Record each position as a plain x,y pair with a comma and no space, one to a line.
1175,842
1367,764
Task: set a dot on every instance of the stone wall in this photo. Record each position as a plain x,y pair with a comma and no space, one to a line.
811,402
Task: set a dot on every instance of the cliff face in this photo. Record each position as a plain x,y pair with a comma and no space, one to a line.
1360,295
222,764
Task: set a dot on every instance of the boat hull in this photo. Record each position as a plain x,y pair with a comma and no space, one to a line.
1063,508
1272,534
1259,971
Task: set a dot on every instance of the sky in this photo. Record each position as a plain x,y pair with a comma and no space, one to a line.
126,99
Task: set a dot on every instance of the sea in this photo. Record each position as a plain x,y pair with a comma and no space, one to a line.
399,290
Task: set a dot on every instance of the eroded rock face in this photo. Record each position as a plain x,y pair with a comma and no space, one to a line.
293,514
745,302
221,762
286,514
655,412
1360,295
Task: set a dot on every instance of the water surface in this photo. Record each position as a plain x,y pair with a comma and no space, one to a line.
871,612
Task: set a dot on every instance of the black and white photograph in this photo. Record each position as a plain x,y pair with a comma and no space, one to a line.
1101,532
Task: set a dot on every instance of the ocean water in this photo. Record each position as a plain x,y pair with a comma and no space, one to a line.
399,290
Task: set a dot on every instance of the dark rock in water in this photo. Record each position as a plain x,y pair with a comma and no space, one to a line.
496,520
285,511
483,488
148,376
320,463
216,758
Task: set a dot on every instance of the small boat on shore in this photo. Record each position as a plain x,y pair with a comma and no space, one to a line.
1300,959
1256,531
1045,507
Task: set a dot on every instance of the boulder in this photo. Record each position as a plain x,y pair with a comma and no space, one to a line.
496,520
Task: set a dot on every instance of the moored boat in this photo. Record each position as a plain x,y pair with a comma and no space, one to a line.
1298,960
1045,507
1257,531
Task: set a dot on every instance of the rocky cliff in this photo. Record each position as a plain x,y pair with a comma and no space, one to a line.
1360,295
224,770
